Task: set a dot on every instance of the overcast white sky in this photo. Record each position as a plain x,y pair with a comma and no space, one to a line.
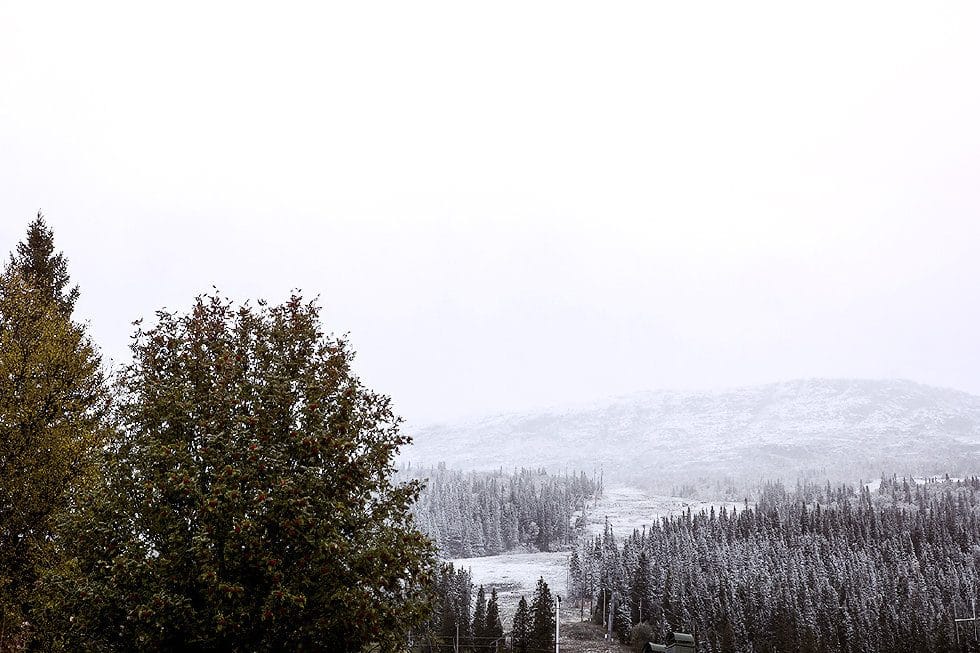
511,205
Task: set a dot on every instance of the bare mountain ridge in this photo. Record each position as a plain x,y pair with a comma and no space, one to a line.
826,428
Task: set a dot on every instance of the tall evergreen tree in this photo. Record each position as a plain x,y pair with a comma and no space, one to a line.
643,600
521,629
622,622
542,617
494,629
53,421
453,598
479,628
576,574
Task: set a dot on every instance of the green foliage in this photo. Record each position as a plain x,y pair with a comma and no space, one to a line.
53,408
248,503
486,621
37,262
451,599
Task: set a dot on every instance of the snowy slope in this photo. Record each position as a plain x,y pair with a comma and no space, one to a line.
847,429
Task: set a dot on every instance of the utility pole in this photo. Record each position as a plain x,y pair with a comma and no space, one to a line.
456,641
557,618
613,604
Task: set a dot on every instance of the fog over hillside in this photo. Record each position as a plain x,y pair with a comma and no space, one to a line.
825,428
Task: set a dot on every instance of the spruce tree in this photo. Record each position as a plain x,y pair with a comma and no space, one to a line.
577,577
447,612
479,628
36,260
542,617
53,421
521,629
643,600
622,623
494,629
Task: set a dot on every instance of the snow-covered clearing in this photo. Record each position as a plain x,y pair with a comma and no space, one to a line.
629,508
515,574
875,485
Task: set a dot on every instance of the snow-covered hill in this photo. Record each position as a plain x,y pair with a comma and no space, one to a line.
846,429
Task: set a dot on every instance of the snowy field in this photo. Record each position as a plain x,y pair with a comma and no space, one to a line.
515,574
629,508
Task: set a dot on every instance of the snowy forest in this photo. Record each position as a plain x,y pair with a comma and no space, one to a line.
477,514
471,619
818,568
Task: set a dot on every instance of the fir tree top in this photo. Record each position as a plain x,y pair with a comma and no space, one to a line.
36,260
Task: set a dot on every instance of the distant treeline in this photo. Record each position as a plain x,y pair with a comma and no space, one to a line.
818,568
479,513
